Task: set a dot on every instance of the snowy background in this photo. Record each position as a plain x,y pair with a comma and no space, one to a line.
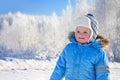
31,44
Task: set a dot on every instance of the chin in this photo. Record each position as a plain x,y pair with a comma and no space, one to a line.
82,42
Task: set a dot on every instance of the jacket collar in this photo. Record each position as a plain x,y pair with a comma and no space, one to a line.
95,43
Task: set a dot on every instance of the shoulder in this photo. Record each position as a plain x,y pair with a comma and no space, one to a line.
96,48
100,45
70,45
101,54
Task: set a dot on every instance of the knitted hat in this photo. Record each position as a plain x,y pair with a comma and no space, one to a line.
90,22
94,26
83,21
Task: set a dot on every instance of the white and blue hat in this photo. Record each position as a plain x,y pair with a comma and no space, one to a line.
90,22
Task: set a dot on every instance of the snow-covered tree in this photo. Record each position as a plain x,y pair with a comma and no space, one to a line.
107,13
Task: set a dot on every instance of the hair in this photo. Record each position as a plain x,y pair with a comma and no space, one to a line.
103,41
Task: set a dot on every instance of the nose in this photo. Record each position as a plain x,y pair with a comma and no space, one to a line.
81,34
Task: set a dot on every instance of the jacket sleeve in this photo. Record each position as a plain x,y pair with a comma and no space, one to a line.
102,67
59,70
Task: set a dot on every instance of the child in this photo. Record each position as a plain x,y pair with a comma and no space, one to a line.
83,58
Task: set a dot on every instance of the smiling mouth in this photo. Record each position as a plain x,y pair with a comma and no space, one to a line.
81,38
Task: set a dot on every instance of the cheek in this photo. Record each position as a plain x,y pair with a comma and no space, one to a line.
87,38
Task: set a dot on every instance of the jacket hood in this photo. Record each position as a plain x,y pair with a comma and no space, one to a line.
100,41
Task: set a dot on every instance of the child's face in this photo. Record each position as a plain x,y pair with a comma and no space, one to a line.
82,34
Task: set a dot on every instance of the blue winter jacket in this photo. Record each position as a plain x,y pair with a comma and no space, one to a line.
82,62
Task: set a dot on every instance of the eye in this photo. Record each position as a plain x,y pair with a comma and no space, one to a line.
85,32
78,31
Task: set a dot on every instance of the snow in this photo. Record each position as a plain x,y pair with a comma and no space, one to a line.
25,75
114,71
21,69
21,64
